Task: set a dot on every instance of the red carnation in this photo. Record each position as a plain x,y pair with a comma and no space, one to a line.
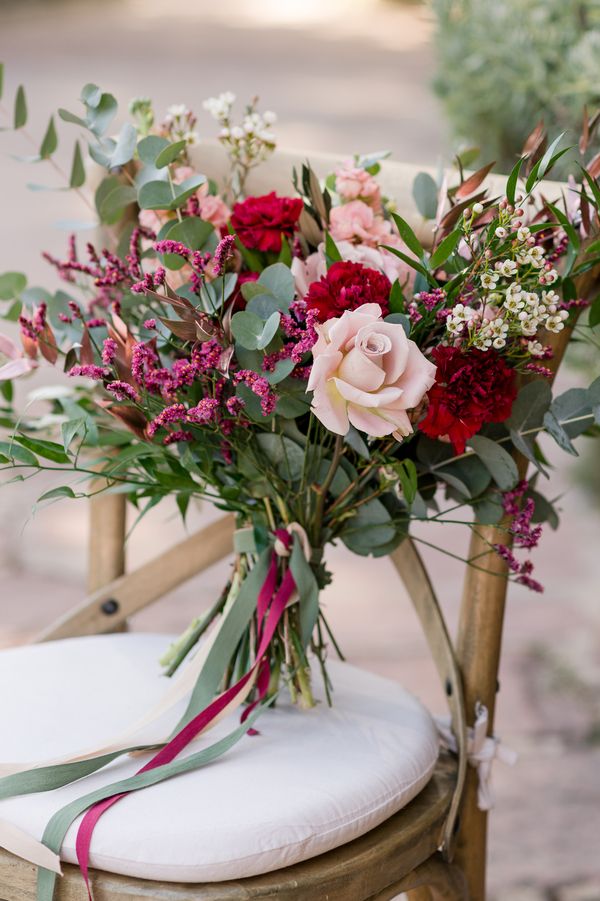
261,222
471,388
346,287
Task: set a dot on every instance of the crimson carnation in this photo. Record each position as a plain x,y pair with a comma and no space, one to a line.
261,222
471,388
346,287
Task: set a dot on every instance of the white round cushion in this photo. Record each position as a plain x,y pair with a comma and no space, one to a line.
309,782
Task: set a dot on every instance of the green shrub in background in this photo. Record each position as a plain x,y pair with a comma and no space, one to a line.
505,64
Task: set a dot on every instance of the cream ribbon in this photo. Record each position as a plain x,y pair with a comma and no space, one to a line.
482,750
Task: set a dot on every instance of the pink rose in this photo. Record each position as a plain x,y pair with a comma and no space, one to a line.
355,183
367,373
212,208
12,362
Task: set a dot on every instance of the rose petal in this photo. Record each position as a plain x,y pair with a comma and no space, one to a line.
369,422
330,408
383,398
362,372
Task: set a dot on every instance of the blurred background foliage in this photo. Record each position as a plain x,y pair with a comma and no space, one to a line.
503,66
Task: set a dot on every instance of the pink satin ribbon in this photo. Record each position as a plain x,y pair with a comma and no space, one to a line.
268,620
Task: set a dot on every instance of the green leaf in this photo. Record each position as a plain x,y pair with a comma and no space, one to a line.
125,146
554,428
332,254
574,404
62,491
101,115
497,461
528,413
355,440
418,267
115,202
278,279
308,591
397,300
407,473
285,456
513,178
408,235
399,319
70,429
49,141
191,231
91,95
264,305
15,452
425,194
269,330
149,148
169,154
155,195
20,113
594,314
77,177
370,528
247,328
443,251
66,116
12,284
49,450
547,159
185,190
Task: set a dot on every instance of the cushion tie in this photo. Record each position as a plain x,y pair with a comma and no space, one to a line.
482,749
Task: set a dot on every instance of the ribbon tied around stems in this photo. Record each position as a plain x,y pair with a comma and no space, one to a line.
270,606
482,750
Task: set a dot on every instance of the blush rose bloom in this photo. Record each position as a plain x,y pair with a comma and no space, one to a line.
368,374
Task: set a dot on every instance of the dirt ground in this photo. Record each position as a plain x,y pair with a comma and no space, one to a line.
344,77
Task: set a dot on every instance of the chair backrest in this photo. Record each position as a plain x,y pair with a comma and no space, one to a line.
468,669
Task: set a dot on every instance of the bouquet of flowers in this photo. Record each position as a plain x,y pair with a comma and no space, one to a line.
304,363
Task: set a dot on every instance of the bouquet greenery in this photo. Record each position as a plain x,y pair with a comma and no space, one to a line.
302,362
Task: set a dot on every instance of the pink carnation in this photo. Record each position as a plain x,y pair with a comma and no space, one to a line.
357,222
355,183
212,209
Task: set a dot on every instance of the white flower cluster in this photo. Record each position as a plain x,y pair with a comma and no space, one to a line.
249,143
506,307
180,122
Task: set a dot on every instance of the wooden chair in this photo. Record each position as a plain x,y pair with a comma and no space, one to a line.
435,848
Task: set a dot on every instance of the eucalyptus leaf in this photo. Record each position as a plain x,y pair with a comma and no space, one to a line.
124,147
269,330
77,176
149,148
169,154
49,141
12,284
497,460
20,111
284,455
278,279
425,194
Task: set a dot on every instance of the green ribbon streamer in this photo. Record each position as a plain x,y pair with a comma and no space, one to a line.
58,825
